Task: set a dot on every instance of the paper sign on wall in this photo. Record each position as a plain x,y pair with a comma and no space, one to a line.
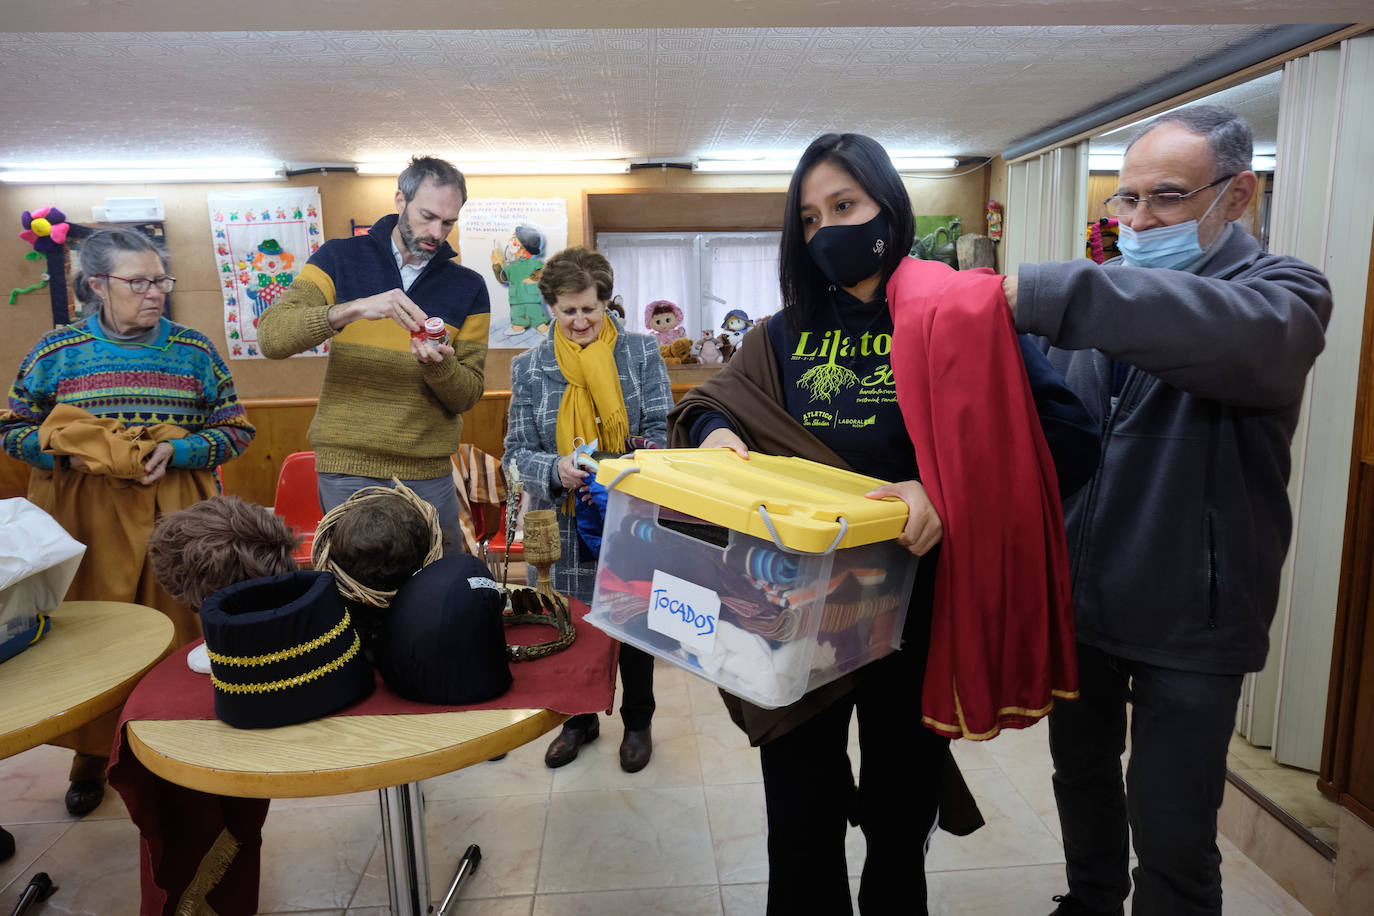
262,239
684,610
508,241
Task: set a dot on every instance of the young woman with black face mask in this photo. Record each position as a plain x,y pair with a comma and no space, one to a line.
817,382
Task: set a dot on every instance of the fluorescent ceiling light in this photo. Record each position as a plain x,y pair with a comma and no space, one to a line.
138,172
775,164
1263,164
513,167
746,165
923,163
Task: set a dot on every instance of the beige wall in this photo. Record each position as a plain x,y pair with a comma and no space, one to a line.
997,171
197,301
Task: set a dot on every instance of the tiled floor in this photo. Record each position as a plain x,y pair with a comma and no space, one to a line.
684,837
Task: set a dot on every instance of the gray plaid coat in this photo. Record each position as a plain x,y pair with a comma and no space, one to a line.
537,388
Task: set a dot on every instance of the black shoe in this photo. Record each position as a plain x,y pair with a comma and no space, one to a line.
564,748
84,796
6,844
1068,906
635,749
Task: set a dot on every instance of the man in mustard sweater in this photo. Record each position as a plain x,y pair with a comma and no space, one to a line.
391,403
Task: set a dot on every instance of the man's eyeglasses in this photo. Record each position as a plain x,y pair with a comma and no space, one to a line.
140,284
1162,203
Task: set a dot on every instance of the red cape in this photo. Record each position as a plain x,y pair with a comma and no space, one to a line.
1002,641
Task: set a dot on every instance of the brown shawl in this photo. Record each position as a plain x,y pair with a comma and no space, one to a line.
748,391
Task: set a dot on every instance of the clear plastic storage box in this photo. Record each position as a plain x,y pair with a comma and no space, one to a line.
768,577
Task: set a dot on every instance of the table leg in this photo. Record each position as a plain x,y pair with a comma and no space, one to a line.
403,841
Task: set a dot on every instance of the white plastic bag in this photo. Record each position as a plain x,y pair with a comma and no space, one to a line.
38,560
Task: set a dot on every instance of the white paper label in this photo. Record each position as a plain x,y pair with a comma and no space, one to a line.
683,610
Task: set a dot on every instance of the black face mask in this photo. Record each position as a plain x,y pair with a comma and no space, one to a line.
848,255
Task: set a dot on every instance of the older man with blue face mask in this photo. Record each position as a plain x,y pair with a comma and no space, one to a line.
1191,351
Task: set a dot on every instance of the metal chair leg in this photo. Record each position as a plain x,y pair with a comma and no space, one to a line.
472,857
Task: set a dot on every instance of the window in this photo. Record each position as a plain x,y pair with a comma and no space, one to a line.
706,274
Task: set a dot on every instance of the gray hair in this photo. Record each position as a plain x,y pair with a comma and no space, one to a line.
97,256
1228,135
441,172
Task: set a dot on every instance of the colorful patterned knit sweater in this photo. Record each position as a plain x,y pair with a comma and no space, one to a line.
177,379
382,413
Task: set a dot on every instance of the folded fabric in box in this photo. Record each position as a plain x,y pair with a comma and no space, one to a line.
283,650
444,640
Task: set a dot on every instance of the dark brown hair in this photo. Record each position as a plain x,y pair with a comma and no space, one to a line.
216,543
574,269
804,288
380,542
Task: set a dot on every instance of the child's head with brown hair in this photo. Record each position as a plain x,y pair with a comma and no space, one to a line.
380,542
216,543
376,540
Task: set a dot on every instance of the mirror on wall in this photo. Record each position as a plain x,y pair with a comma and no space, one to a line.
1276,747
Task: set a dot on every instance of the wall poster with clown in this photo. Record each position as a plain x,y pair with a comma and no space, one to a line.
262,238
507,241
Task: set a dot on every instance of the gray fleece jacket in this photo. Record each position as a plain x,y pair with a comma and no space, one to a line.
1177,542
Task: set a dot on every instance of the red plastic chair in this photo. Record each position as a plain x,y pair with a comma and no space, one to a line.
297,501
493,542
494,547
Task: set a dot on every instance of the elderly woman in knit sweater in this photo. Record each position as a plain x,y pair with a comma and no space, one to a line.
587,380
123,415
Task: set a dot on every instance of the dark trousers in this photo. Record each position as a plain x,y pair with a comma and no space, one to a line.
1181,724
810,795
637,692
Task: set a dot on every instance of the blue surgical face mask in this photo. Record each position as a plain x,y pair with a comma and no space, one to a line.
1173,247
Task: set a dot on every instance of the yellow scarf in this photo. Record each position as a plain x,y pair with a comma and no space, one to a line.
593,392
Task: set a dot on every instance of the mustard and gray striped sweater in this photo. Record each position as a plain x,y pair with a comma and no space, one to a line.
382,413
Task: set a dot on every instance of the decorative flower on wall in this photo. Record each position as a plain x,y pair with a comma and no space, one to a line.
45,229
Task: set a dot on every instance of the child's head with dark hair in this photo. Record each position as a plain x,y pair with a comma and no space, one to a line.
217,543
380,541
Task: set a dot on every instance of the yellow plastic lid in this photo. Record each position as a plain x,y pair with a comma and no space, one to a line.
811,507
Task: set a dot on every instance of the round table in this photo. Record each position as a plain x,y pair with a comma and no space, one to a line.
342,754
86,666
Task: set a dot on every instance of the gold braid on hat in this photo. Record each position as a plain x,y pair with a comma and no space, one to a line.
351,588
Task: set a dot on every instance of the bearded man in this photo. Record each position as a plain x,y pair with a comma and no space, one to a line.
392,401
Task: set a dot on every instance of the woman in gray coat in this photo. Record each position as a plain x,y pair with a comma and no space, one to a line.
587,380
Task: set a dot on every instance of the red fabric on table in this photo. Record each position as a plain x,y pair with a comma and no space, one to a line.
180,826
1001,642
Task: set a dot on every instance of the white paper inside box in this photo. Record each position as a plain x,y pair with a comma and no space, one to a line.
763,623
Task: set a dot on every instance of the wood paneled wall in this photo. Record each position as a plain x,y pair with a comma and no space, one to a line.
1347,765
282,424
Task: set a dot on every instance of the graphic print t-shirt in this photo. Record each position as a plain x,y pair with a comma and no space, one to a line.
837,379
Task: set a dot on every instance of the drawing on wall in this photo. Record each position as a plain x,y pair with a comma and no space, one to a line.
262,239
508,240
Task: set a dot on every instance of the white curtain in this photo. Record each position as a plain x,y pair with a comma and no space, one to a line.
1047,207
741,272
651,266
1323,195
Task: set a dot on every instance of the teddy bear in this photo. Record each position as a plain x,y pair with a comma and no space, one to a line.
678,353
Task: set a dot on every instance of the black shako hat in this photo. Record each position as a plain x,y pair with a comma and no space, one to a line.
443,639
283,650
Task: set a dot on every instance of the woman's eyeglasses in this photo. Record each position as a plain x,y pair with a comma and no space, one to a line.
141,284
